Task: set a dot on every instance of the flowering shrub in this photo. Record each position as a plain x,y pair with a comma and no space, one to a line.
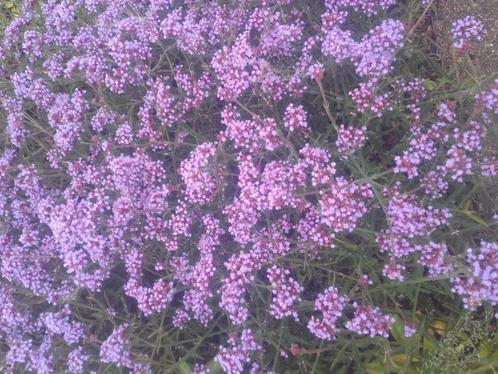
239,186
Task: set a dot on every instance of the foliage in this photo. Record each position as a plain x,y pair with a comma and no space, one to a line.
8,10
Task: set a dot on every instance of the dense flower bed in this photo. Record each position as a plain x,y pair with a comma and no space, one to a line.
222,174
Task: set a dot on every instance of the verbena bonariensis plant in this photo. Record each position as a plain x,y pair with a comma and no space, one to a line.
196,186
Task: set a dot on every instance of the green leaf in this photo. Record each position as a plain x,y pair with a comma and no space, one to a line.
214,367
376,368
474,217
430,85
397,331
184,368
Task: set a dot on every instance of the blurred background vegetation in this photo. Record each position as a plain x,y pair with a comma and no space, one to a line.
8,10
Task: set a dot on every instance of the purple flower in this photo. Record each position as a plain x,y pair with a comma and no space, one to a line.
479,284
116,349
465,30
369,321
285,292
330,303
237,355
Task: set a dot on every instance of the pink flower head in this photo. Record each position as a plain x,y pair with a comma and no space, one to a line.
465,30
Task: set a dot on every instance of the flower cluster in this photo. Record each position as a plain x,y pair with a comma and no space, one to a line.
409,221
285,291
344,204
369,321
490,98
199,181
350,139
432,256
295,118
465,30
76,360
115,349
479,284
330,303
369,6
237,355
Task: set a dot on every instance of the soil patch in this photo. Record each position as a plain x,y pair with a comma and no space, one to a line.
484,54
